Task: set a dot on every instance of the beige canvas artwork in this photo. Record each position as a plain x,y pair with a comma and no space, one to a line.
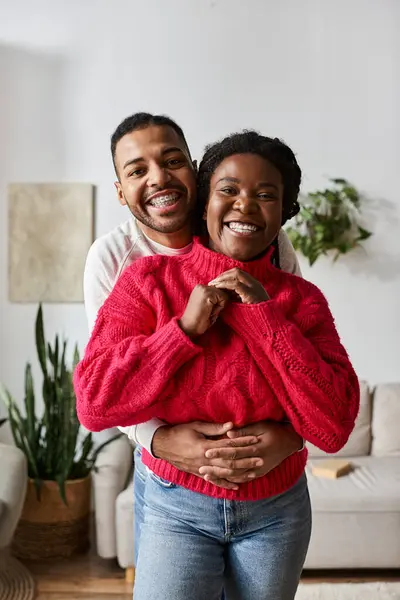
50,233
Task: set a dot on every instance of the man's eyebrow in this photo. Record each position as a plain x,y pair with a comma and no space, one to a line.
133,161
172,149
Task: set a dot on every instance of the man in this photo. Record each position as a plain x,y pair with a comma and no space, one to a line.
157,182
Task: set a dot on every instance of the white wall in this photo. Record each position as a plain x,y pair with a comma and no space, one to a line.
322,74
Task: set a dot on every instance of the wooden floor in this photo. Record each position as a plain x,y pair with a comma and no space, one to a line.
89,577
86,576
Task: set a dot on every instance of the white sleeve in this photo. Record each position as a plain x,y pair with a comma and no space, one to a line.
287,254
143,433
98,281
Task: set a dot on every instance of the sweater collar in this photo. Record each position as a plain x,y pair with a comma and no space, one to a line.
210,264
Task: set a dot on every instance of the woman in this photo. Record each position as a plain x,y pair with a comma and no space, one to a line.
221,334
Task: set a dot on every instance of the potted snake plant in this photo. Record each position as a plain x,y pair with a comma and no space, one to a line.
55,518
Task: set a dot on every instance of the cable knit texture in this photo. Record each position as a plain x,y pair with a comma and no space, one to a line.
279,360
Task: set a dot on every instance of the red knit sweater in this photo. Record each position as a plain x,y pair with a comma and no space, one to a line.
280,359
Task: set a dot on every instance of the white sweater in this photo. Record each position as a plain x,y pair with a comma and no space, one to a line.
110,254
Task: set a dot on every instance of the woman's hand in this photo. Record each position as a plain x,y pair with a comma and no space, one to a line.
248,289
202,310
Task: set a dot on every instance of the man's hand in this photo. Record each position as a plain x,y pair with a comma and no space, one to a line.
275,443
185,447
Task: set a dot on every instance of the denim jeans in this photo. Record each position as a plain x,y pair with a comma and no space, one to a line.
193,546
140,475
139,479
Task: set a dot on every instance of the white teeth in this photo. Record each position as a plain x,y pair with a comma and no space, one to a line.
164,200
242,227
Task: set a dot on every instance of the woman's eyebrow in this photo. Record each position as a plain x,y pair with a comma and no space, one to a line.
229,179
268,184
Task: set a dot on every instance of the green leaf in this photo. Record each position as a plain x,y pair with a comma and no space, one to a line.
364,234
56,358
306,213
40,341
50,354
30,406
61,487
19,432
63,363
343,247
76,358
352,194
16,431
339,181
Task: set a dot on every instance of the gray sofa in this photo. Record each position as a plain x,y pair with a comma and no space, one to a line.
356,518
13,481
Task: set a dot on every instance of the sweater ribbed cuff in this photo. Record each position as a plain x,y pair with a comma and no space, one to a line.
264,319
171,348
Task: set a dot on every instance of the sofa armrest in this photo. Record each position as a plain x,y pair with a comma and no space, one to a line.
13,482
109,478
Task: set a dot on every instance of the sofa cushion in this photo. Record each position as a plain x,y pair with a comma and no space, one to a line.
359,442
373,486
124,527
386,420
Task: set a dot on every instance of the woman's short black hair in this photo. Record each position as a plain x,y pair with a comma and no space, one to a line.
251,142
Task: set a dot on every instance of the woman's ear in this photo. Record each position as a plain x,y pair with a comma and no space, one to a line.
205,212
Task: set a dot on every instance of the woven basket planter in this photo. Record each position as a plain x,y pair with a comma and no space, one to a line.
49,529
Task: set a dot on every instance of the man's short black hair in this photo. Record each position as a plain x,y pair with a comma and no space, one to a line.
142,120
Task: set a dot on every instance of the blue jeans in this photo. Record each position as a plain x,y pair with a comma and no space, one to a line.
140,475
139,479
193,546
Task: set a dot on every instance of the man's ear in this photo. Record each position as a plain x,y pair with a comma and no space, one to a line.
120,193
194,163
